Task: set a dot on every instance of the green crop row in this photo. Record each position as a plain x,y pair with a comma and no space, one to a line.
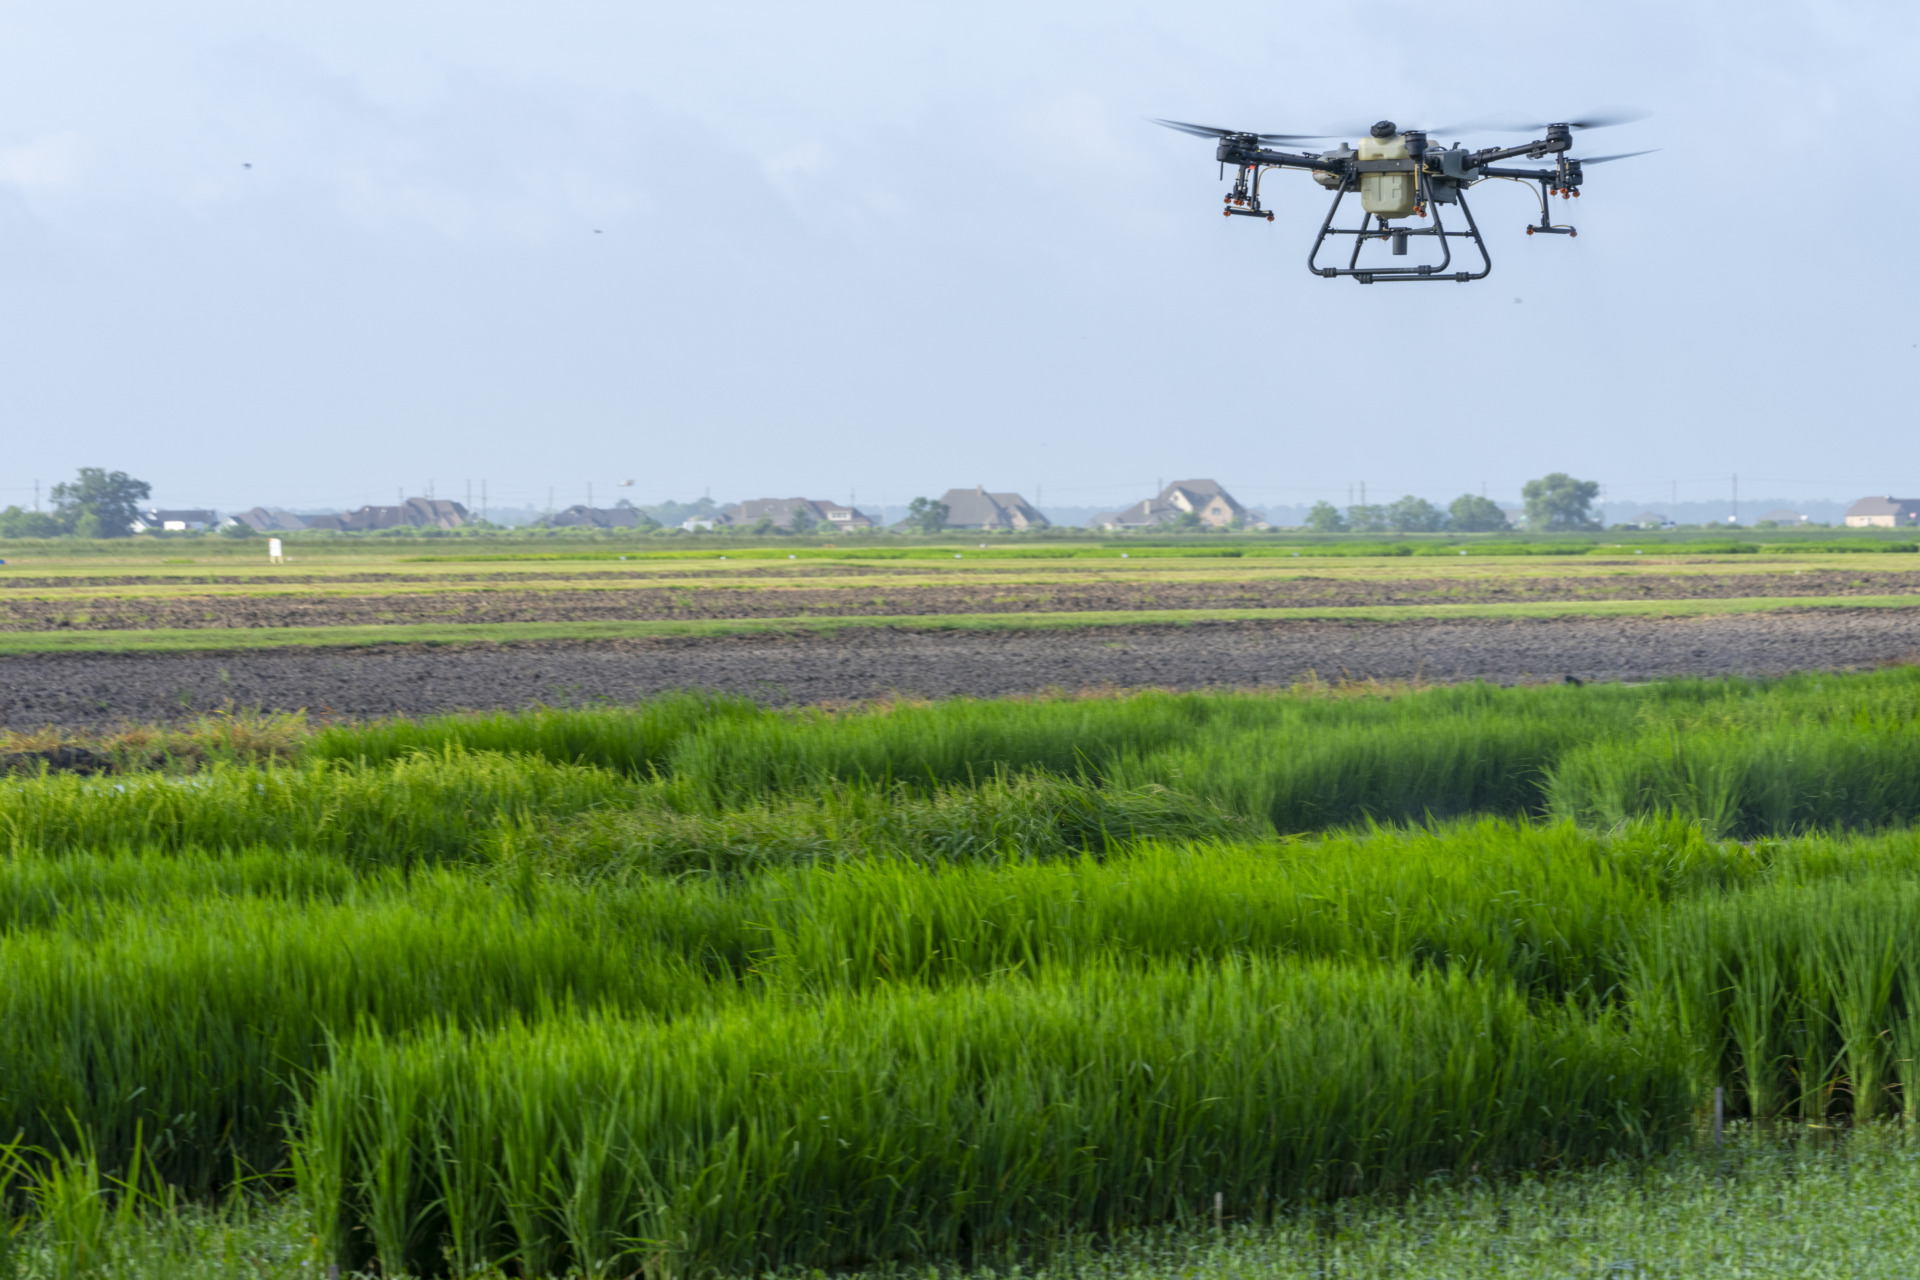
194,1018
925,1125
1743,757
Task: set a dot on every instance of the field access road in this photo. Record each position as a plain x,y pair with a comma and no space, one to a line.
94,689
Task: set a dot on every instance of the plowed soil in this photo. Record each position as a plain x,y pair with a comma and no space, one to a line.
97,690
603,603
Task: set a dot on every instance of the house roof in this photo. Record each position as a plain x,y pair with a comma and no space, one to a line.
1147,511
417,513
157,516
261,520
1887,506
976,508
780,511
581,514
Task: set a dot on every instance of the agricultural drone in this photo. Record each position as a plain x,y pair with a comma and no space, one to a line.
1399,173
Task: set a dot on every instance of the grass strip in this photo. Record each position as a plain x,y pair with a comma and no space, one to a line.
228,639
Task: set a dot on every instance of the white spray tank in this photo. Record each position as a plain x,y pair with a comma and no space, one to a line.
1390,195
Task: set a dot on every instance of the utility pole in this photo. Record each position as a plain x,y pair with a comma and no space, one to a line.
589,495
36,495
1736,499
483,498
549,502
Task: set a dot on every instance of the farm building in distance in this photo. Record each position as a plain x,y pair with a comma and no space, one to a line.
1783,516
975,508
414,513
581,516
158,521
781,511
1884,513
1205,499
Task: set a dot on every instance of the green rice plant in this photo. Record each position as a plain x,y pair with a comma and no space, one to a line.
1550,909
1743,781
421,808
1004,818
1325,777
920,1125
926,745
633,740
89,892
1804,997
195,1023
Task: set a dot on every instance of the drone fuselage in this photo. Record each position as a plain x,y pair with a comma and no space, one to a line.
1389,176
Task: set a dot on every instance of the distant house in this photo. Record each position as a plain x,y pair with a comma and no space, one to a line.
261,520
157,521
1783,516
581,516
1884,513
781,511
975,508
414,513
1650,520
1215,507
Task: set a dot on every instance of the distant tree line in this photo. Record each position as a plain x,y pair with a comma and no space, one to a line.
1554,503
96,504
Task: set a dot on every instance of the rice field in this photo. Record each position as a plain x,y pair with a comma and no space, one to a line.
1215,983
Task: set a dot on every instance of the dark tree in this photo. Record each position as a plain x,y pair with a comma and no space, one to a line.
1559,503
1367,519
1326,518
927,515
1416,515
1472,513
100,503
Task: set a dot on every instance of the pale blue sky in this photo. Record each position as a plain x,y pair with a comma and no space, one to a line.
886,249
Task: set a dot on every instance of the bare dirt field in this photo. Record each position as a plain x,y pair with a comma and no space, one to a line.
101,689
22,611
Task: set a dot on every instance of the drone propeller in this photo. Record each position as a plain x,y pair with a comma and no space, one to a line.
1599,120
1208,131
1624,155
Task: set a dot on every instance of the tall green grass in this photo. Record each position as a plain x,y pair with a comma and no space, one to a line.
419,808
1553,911
633,740
1005,818
195,1017
91,892
1746,781
918,1125
1804,997
194,1026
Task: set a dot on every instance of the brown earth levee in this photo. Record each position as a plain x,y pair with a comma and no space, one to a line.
599,604
78,690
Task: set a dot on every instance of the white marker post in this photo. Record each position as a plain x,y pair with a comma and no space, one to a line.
273,552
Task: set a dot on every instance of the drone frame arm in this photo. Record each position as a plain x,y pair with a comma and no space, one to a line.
1238,153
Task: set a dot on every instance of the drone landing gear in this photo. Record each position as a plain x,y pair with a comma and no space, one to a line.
1398,237
1547,192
